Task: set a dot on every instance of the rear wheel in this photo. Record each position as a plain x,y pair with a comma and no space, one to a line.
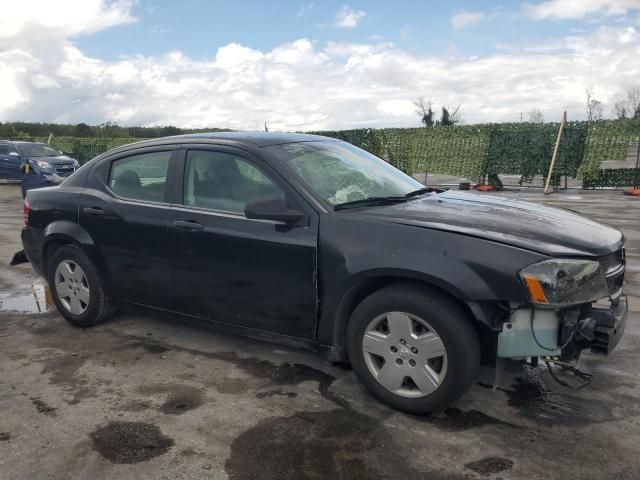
413,347
76,287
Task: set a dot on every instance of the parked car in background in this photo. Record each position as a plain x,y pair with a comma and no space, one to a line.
35,164
313,242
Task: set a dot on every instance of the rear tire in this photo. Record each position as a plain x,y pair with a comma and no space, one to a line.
413,347
76,287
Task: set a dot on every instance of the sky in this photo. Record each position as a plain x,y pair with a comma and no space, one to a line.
300,65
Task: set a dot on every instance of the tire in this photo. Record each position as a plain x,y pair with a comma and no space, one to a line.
76,287
433,373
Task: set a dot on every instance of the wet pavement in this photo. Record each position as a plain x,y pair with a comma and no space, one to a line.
147,396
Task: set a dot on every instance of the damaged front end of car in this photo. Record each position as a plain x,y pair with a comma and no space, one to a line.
576,305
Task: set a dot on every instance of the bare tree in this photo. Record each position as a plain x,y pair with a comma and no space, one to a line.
536,116
594,107
424,110
633,102
620,110
629,107
455,115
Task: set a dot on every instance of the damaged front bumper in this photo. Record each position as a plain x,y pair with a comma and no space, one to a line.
531,332
609,326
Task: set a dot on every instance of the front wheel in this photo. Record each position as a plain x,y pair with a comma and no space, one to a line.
77,289
413,347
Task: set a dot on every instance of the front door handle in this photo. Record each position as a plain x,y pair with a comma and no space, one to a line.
95,211
188,225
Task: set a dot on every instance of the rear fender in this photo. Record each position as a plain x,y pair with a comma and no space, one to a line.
64,231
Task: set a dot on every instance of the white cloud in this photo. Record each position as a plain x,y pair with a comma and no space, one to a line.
71,17
305,9
466,19
348,17
304,85
578,9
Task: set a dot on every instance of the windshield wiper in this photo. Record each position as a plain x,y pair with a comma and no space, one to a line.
364,202
422,191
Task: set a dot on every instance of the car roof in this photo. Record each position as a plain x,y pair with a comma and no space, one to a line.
21,142
260,139
253,139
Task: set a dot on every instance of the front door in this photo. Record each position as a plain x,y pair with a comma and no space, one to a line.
125,210
10,162
253,273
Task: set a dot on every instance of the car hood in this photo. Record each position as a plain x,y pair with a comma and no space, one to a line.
58,160
552,231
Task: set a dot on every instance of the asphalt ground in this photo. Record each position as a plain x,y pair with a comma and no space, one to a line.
152,397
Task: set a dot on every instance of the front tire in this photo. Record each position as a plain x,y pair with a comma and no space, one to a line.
76,288
413,347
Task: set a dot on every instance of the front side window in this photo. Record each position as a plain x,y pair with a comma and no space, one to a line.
6,149
141,177
225,182
341,173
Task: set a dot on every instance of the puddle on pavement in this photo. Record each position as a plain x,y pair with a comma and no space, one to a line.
336,444
490,465
33,298
130,442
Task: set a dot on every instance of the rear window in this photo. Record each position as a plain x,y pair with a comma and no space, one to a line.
141,177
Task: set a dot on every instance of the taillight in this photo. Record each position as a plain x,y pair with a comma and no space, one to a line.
25,212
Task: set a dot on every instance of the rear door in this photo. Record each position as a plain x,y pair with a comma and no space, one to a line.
252,273
125,210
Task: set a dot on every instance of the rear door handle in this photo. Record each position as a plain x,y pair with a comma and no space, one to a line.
95,211
188,225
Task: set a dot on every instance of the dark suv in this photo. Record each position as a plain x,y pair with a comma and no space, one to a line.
36,164
313,242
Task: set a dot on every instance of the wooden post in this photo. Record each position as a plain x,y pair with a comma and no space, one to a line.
555,152
49,139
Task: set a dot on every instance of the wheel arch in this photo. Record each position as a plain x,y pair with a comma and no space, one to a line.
366,285
62,233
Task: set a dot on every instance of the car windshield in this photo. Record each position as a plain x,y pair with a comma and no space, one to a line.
37,150
341,173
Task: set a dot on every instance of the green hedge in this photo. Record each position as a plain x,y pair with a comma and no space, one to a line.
469,151
84,149
457,150
525,149
613,177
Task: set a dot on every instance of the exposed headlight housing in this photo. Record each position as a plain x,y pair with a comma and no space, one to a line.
563,282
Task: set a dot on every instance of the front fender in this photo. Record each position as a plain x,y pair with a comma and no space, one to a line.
357,252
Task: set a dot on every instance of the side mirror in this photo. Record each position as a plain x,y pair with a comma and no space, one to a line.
272,208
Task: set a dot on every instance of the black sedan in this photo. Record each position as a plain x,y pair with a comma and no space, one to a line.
313,242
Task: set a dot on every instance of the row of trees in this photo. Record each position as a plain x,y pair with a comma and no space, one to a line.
106,130
627,107
449,116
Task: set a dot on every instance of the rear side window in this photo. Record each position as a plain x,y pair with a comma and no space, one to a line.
223,181
140,177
